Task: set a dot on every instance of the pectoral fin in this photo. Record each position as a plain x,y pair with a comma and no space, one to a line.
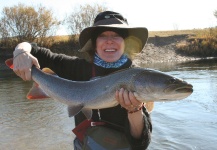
87,112
74,110
149,106
149,103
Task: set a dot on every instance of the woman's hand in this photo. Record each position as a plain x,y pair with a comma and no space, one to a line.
128,101
23,61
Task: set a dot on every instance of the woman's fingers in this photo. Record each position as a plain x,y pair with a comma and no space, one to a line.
35,61
23,64
119,96
133,99
127,99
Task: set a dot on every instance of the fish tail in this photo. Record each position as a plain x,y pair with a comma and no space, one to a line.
35,92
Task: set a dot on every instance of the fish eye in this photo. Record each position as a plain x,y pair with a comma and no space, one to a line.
172,80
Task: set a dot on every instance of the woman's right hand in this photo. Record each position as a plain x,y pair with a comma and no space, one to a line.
23,61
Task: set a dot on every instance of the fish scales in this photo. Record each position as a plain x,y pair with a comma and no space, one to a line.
100,89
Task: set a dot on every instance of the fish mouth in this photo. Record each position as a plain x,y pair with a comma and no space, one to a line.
187,89
181,89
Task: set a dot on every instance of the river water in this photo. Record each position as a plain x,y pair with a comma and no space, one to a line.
189,124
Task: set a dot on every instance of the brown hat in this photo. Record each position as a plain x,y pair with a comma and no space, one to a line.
135,37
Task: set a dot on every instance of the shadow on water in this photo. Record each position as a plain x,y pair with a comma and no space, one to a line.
203,63
5,72
196,64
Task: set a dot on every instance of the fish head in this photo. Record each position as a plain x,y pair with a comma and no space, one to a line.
152,85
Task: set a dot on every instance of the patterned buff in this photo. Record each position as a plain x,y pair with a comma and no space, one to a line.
99,62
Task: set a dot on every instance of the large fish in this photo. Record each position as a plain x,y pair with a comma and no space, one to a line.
147,85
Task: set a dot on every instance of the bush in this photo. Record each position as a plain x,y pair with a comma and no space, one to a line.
203,44
25,23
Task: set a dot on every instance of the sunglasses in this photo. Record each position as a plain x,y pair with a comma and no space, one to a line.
109,16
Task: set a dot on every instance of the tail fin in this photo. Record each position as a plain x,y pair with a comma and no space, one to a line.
35,92
9,63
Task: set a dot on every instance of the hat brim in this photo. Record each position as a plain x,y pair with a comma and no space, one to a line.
137,35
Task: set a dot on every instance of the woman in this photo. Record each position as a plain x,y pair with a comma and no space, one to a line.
110,43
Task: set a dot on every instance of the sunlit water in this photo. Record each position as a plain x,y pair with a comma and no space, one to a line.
178,125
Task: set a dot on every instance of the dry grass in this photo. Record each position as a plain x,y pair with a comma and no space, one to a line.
202,44
173,32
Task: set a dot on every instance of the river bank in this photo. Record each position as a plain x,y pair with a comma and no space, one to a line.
163,49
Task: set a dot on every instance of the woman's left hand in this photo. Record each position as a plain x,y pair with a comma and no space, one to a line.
127,100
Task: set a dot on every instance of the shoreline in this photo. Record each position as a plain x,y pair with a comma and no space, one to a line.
163,50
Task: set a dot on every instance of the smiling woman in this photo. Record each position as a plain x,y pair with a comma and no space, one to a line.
110,46
110,42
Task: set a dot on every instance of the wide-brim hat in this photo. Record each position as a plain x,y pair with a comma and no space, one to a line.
134,41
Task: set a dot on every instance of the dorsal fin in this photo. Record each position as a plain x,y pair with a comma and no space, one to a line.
48,71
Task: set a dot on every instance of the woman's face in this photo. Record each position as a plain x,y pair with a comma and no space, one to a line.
109,46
